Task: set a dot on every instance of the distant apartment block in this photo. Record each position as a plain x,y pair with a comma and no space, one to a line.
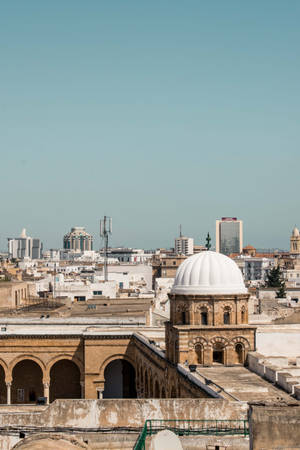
24,247
78,239
184,246
229,235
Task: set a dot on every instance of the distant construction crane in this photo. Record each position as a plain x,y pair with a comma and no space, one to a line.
105,231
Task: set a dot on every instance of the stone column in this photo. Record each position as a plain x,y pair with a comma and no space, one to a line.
100,393
230,358
8,389
207,355
46,392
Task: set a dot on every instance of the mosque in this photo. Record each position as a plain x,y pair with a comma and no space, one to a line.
194,368
63,359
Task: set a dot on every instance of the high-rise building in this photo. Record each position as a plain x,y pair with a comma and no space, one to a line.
184,246
229,235
78,239
24,247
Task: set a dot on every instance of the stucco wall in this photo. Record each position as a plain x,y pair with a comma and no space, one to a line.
278,340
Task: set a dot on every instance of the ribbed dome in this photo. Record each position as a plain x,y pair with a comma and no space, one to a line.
208,273
295,232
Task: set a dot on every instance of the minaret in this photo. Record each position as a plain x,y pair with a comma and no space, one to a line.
295,242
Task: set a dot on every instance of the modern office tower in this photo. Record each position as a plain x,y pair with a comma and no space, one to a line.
24,247
229,235
78,239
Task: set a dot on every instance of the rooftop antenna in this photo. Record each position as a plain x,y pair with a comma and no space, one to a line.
105,231
180,230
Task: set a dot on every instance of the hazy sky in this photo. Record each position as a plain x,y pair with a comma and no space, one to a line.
153,112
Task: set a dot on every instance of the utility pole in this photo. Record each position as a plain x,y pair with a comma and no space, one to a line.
105,231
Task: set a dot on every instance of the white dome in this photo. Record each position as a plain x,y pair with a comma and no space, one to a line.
295,232
208,273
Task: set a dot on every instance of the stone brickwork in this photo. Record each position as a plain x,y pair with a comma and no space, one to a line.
207,329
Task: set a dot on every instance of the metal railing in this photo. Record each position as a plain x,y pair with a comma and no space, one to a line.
192,428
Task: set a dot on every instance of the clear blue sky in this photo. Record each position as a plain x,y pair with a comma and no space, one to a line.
155,113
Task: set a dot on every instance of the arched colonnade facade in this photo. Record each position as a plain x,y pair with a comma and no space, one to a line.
218,350
96,367
27,378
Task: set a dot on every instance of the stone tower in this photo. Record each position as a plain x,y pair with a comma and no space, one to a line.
295,242
209,313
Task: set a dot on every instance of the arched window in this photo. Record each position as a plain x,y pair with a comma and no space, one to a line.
239,348
226,316
183,318
204,316
243,315
199,353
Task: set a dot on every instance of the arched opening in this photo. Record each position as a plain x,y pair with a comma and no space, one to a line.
218,354
119,380
204,317
183,318
163,392
3,392
239,349
156,390
226,316
199,353
27,382
64,380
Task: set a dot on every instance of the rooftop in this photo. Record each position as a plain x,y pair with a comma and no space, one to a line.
241,384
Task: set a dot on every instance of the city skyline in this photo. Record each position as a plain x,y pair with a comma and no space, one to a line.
155,114
114,243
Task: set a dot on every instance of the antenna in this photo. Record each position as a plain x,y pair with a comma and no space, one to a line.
105,231
180,230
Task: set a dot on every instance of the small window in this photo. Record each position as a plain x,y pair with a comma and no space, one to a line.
204,320
97,292
226,318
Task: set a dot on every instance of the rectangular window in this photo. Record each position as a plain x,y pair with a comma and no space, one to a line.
79,299
97,292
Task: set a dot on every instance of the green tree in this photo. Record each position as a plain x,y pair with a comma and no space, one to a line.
281,293
274,278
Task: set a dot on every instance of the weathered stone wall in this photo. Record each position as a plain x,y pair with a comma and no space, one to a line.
274,427
110,414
